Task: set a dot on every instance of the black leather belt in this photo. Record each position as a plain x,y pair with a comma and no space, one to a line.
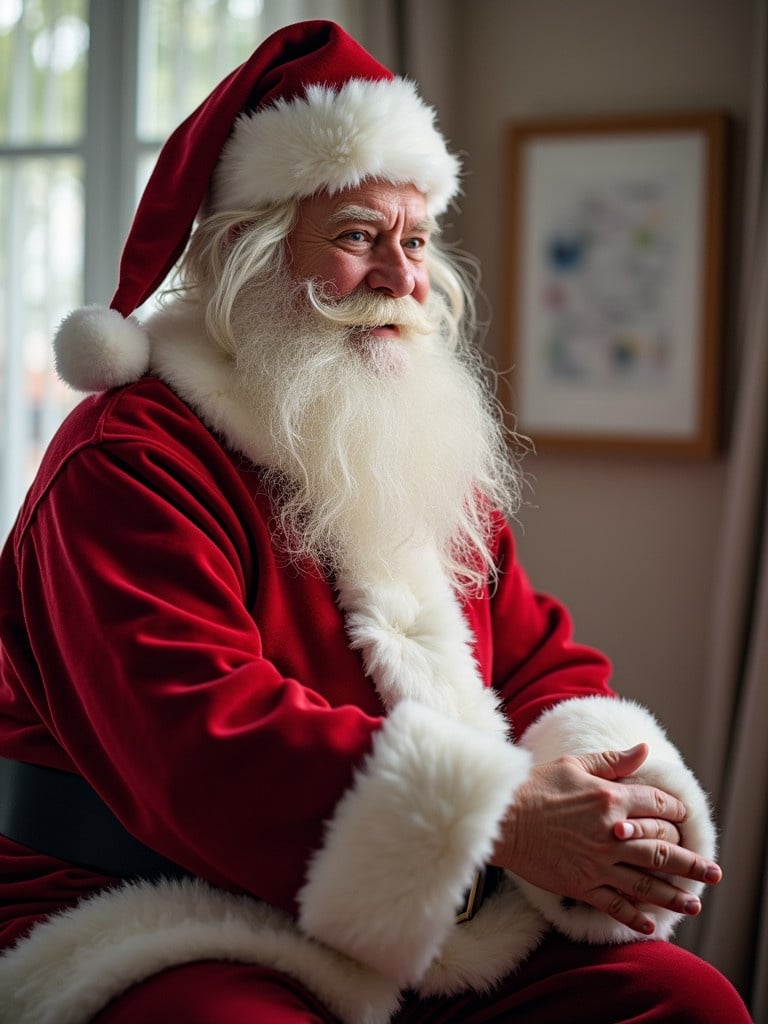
61,815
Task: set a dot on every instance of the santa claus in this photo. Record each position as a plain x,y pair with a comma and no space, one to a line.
286,733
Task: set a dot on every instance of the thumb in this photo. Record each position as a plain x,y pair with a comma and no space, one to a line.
615,764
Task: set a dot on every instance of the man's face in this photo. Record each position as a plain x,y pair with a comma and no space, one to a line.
374,236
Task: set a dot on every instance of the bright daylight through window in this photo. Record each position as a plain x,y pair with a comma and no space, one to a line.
43,60
88,91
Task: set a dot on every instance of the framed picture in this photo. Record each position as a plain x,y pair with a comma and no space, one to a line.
613,281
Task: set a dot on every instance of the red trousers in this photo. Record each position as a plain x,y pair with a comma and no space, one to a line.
562,983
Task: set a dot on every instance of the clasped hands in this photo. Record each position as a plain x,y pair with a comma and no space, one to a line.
577,831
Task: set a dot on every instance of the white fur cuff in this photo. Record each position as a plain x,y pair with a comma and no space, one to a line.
587,725
401,848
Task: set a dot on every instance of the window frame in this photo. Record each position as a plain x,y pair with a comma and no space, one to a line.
112,151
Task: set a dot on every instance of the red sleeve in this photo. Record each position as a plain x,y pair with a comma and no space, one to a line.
536,662
149,668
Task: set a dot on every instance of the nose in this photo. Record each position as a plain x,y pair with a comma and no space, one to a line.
392,274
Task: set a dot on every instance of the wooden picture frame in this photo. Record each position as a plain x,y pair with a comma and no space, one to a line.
612,291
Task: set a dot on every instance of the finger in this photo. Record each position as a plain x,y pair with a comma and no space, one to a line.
641,887
647,828
614,764
651,802
616,905
670,859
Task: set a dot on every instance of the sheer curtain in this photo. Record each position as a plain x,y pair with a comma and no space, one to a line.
734,929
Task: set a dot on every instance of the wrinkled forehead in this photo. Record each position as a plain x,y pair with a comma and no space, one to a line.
378,203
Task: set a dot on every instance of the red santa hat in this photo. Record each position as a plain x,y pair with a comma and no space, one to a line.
309,110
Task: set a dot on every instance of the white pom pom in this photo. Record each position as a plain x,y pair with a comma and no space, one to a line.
96,349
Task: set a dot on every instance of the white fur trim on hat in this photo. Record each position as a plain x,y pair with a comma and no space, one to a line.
96,349
334,140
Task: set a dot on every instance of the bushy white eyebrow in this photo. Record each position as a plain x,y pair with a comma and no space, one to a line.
366,215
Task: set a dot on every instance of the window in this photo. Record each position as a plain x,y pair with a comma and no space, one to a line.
88,93
43,61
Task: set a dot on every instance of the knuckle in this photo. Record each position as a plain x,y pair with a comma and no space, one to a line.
661,855
699,869
611,800
616,904
642,886
611,757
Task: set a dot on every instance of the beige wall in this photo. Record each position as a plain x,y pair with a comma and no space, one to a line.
627,542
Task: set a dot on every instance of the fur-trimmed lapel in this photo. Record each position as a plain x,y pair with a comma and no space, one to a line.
409,628
415,641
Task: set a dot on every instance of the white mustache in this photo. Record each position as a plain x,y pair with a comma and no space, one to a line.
366,309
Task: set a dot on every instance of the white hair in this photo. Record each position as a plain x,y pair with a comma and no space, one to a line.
228,250
366,462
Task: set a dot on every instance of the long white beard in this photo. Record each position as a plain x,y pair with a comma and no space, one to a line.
377,446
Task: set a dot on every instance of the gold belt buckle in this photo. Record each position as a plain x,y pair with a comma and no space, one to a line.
473,897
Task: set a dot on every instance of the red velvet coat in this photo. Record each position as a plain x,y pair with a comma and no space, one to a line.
154,641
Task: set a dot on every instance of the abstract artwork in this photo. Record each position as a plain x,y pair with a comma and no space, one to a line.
613,280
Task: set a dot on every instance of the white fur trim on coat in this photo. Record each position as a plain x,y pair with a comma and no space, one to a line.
72,965
586,725
479,953
403,843
377,912
378,904
415,641
335,139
